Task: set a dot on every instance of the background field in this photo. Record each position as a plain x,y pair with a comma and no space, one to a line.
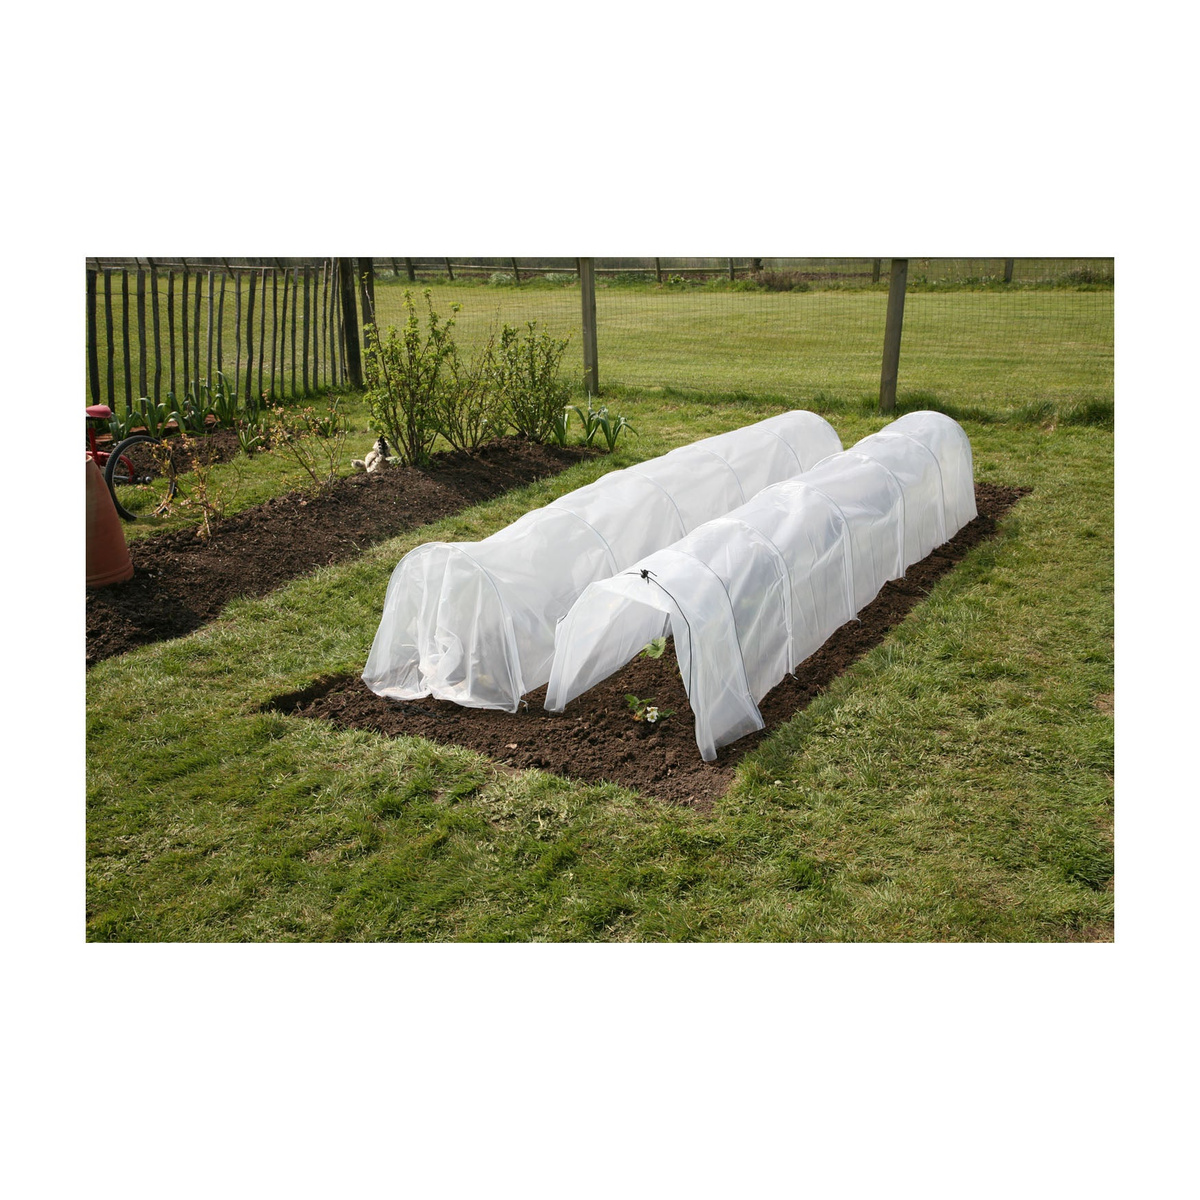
985,350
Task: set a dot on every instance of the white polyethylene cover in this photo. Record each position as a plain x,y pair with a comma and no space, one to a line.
752,594
473,622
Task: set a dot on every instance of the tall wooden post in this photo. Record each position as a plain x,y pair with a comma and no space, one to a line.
658,269
731,270
1008,269
412,275
157,333
587,286
93,351
366,274
516,273
143,387
350,322
891,335
876,263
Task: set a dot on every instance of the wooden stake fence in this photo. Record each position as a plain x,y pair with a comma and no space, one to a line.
164,336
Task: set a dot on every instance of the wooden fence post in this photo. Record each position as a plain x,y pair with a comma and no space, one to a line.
295,308
93,350
250,334
366,273
274,329
125,339
262,332
412,275
237,333
449,270
1008,269
110,344
876,263
171,331
196,336
307,323
326,350
891,335
658,269
220,332
157,333
731,270
587,286
143,386
516,273
350,320
209,341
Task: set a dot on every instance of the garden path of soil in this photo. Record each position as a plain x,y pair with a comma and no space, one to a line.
180,582
594,739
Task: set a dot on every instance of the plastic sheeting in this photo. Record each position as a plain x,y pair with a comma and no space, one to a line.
751,594
473,622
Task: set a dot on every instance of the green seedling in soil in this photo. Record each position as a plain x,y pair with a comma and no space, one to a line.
647,710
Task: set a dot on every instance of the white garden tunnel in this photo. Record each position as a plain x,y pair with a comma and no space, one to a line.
750,595
473,622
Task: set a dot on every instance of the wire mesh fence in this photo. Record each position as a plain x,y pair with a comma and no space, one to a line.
988,332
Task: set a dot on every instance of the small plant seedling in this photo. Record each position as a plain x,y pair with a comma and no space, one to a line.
612,427
646,710
591,421
562,424
655,648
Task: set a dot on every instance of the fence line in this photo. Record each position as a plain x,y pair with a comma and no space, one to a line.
797,326
181,338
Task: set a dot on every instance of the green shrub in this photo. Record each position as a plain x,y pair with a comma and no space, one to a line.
316,440
404,372
524,378
467,410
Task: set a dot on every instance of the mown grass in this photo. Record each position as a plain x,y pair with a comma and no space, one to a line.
955,784
994,351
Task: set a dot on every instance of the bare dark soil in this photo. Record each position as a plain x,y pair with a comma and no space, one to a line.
181,582
595,738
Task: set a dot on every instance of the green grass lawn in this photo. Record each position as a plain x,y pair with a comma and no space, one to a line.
955,784
985,352
988,351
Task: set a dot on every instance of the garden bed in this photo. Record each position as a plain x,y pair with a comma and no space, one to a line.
594,739
181,582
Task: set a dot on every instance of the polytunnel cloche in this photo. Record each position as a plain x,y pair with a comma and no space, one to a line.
473,622
751,594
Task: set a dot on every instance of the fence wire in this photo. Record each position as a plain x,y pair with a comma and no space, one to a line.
984,332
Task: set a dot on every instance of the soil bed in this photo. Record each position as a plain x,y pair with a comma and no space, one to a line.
181,582
594,739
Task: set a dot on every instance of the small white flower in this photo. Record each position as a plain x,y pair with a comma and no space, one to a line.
652,713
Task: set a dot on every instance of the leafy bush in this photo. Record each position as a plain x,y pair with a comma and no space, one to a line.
561,277
404,373
524,377
781,281
467,410
316,440
500,279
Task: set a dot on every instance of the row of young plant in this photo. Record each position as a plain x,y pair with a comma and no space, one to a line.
421,384
205,407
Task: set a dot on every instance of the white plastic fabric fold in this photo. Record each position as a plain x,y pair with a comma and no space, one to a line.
473,622
750,595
